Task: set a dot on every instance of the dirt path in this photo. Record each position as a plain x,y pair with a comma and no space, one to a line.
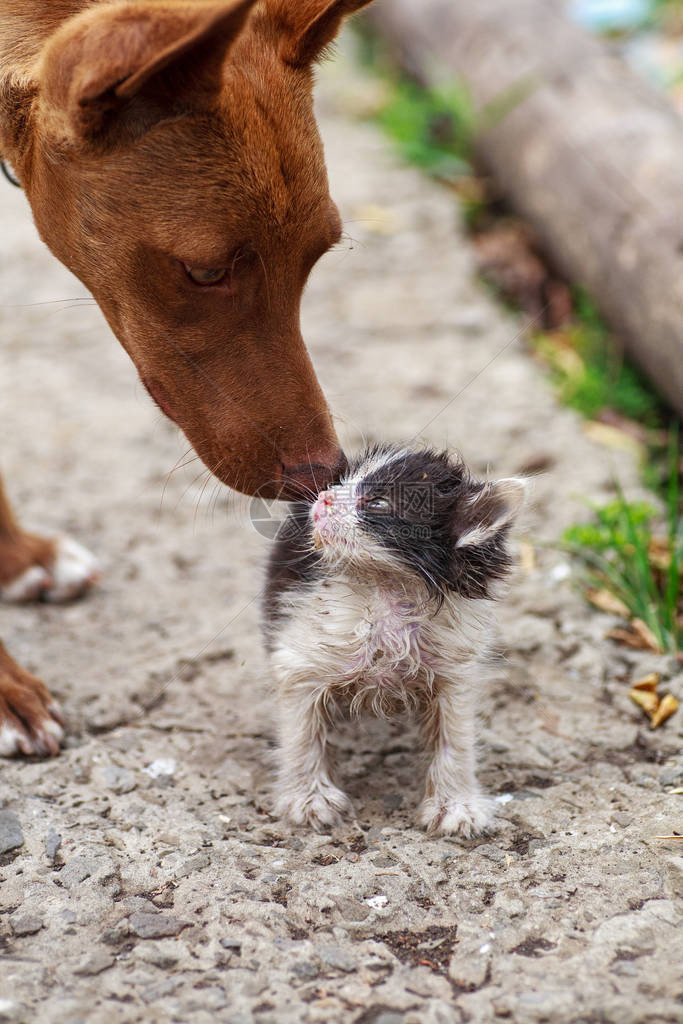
174,895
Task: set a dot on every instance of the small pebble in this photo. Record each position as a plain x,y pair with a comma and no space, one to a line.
192,864
333,956
469,972
306,970
163,766
671,776
76,871
622,819
113,936
11,836
27,924
156,926
492,852
94,964
53,844
119,780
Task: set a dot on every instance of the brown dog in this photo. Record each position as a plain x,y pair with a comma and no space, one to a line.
170,154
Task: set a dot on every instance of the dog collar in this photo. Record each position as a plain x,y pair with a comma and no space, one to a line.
9,174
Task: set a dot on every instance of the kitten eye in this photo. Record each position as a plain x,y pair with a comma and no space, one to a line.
378,505
204,276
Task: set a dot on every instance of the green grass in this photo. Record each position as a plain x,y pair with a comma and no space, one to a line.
664,16
665,6
592,376
629,551
433,128
590,371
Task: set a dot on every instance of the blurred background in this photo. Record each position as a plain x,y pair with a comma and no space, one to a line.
557,125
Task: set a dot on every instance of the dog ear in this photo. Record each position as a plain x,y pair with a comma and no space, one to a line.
316,25
130,64
489,511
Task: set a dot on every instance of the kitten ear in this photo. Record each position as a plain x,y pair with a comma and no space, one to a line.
490,510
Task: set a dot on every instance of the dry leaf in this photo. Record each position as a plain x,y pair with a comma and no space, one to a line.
649,702
568,361
649,639
667,837
611,437
659,553
623,636
631,427
667,706
605,601
650,682
644,694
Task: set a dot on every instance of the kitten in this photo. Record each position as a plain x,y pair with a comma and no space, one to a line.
379,598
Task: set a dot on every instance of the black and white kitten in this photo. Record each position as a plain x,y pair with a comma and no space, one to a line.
379,597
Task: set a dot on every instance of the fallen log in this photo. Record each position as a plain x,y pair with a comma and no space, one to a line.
584,149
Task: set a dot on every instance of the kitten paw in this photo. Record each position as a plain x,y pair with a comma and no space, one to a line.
466,817
318,808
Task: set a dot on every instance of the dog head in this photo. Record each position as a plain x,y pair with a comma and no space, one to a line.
173,163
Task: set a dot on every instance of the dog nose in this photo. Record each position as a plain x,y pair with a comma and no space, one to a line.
307,480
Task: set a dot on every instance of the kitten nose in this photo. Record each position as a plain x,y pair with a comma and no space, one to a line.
322,505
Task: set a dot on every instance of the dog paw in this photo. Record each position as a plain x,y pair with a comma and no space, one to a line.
31,722
318,807
71,571
74,570
466,817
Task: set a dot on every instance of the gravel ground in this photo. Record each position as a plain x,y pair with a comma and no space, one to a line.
142,877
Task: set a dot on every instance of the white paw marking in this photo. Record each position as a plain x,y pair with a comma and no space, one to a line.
44,742
13,741
468,816
73,571
325,805
48,738
26,587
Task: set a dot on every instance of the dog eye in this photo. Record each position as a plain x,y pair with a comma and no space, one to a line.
204,276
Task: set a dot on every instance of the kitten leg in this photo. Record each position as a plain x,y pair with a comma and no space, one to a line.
306,793
453,801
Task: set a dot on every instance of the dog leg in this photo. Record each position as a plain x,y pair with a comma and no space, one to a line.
453,800
31,567
306,793
30,719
